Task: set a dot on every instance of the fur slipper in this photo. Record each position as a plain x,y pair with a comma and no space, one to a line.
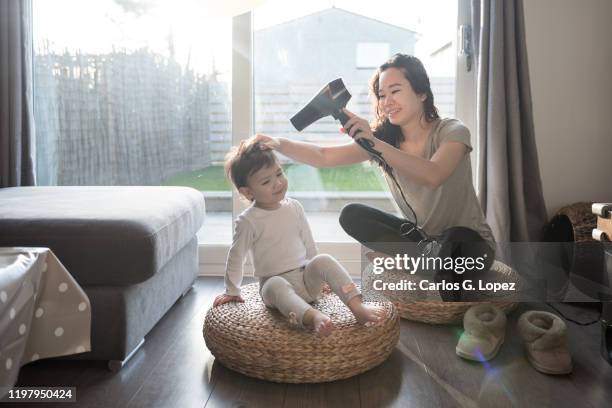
545,338
484,326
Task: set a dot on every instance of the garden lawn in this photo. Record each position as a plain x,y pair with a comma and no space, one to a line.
357,177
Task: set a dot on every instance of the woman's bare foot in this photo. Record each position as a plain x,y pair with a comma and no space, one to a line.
366,314
320,322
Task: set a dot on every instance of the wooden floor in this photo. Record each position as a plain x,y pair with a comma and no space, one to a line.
174,369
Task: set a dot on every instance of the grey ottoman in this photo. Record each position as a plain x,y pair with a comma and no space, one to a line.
132,249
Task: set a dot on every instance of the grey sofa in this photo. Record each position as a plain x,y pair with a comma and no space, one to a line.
132,249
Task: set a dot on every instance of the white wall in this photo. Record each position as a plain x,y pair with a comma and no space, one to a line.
569,46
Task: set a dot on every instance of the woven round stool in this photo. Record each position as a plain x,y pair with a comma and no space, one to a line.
260,342
428,307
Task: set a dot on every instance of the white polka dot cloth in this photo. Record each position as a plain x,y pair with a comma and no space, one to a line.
43,311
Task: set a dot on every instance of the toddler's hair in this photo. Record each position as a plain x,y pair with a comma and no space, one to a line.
247,158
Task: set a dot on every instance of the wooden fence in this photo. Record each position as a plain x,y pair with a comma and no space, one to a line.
120,118
273,106
139,119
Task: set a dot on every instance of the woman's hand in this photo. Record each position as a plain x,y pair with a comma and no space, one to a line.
272,142
357,127
225,298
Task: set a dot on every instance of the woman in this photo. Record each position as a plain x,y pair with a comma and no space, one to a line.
429,158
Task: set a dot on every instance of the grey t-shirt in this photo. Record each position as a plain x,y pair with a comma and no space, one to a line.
452,204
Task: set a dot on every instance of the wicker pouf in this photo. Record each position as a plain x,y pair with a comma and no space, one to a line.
259,342
430,308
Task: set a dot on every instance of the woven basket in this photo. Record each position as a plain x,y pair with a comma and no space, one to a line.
428,307
259,342
581,220
582,258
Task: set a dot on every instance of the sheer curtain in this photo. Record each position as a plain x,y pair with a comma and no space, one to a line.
509,176
16,98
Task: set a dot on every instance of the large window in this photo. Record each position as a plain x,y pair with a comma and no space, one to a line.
299,47
132,93
145,93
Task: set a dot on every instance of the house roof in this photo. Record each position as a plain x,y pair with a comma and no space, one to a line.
334,8
441,48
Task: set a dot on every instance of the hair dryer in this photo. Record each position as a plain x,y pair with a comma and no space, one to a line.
328,101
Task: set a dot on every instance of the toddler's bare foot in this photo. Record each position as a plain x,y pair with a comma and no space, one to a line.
320,322
366,314
323,325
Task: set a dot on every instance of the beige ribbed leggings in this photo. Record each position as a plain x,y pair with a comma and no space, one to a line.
292,291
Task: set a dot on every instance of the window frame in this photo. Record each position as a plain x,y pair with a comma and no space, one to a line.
465,87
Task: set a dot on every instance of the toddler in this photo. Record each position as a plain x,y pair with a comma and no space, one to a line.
275,231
